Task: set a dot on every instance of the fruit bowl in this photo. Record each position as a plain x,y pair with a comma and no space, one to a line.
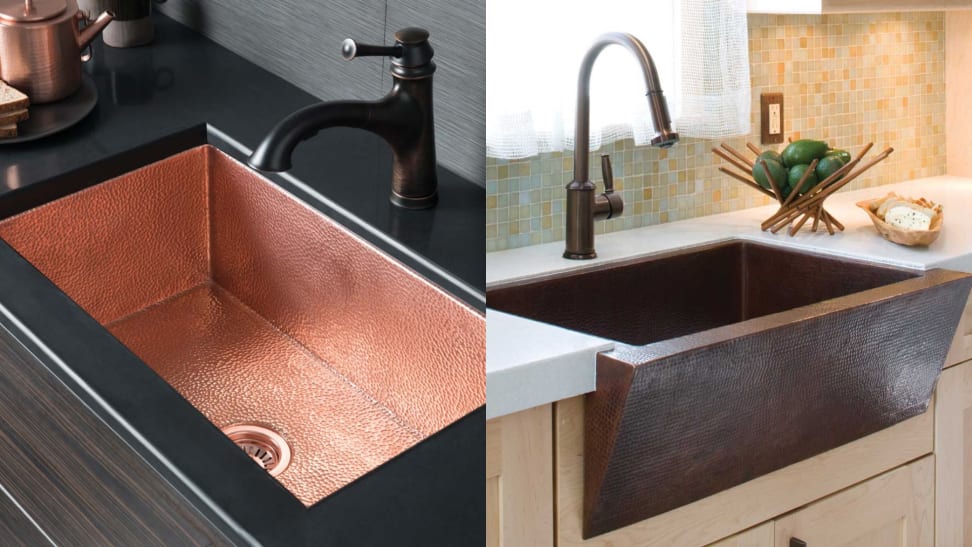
902,236
813,172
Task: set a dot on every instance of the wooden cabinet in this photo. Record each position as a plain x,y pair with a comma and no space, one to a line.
758,536
519,479
953,451
895,509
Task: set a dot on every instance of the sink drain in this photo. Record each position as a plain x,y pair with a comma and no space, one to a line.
265,446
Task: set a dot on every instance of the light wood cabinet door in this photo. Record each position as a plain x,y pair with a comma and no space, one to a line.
895,509
758,536
953,457
519,479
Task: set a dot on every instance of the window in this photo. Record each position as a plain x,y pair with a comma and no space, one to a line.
533,53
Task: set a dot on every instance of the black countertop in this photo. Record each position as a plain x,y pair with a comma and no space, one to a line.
183,80
182,91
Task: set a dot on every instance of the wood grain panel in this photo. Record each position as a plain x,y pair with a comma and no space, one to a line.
958,78
74,476
759,536
738,508
296,40
953,456
519,479
16,528
892,510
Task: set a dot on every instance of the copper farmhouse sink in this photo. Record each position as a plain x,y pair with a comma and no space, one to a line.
737,359
264,314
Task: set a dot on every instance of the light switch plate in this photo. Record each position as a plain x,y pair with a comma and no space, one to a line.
771,118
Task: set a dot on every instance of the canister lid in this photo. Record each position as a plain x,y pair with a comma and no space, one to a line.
27,11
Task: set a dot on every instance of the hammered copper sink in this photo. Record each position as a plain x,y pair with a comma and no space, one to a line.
258,309
737,359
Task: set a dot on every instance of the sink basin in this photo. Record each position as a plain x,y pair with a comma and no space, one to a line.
264,314
737,359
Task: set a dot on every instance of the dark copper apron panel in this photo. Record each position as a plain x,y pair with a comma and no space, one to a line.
667,427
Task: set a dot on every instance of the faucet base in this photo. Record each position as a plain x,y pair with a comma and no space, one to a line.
424,202
580,256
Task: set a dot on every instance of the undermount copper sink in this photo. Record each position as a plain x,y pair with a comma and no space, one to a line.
737,359
260,310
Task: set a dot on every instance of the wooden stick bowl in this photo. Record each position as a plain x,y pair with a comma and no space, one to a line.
795,210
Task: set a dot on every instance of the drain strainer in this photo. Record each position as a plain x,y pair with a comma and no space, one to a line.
265,446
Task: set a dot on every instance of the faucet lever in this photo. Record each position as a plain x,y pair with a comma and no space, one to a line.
607,173
351,50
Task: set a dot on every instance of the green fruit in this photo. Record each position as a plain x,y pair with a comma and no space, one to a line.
785,190
770,155
803,151
796,173
776,170
828,166
844,155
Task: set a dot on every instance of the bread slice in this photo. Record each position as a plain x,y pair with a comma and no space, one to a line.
14,117
7,131
11,100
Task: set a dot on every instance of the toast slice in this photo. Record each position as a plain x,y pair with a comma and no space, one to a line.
7,131
14,117
12,100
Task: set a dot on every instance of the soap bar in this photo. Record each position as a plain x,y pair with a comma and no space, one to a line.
908,218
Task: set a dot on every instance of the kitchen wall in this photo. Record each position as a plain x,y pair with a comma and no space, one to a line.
300,41
847,79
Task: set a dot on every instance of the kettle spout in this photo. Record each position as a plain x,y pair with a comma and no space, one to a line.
94,28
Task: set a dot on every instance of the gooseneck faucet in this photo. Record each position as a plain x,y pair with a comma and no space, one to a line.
403,118
583,207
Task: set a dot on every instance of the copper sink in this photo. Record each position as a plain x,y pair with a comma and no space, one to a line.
260,310
738,359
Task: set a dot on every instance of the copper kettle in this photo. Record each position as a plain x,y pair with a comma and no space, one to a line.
41,44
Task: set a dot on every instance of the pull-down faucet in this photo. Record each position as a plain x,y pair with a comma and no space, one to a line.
583,207
403,118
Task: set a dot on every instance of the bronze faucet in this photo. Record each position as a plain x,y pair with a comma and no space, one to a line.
583,207
403,118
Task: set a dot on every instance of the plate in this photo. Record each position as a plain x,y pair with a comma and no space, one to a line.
47,119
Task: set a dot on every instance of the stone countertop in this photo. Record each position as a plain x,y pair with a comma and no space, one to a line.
530,363
184,86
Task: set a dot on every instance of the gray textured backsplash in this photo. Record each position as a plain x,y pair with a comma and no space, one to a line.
300,41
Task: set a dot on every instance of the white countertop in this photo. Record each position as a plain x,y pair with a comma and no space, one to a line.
530,363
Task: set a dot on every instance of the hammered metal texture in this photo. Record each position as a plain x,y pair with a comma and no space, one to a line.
726,393
383,327
256,308
125,244
234,366
698,421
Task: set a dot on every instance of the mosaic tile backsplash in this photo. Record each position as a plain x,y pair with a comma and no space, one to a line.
847,79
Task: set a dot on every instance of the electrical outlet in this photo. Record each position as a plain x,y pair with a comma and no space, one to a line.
771,118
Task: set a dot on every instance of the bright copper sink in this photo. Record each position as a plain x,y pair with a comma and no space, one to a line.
258,309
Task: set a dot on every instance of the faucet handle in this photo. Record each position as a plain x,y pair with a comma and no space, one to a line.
411,55
351,50
608,173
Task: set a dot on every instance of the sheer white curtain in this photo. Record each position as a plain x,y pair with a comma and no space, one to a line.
533,52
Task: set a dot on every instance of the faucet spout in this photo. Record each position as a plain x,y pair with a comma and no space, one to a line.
278,146
582,204
404,118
